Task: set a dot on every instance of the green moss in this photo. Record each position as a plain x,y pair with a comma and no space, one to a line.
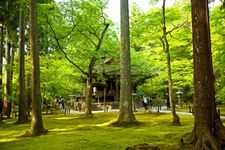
96,133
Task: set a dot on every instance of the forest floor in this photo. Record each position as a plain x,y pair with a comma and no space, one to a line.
76,132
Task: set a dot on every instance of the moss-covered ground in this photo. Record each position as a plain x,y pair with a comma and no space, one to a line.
75,132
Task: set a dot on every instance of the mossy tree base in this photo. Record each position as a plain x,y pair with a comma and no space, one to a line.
176,119
35,133
205,139
126,123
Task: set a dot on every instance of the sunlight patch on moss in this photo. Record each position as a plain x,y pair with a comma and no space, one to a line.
57,129
66,118
7,140
106,123
81,126
7,133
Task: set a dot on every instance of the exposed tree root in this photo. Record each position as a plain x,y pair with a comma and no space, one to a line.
220,133
33,134
126,123
208,141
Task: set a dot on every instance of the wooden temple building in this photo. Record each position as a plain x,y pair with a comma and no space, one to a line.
107,86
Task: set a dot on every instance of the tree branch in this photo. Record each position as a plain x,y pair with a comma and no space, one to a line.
61,48
102,37
73,28
87,37
98,46
93,32
176,27
101,7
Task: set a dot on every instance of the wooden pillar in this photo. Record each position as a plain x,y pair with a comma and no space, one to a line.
104,97
117,92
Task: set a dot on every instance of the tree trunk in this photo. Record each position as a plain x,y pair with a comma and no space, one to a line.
7,87
125,113
29,92
89,91
37,126
1,55
208,131
10,92
166,48
23,117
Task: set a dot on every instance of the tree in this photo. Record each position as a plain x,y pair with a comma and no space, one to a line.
166,42
8,71
208,131
125,113
9,17
23,116
85,34
37,126
166,48
1,55
2,21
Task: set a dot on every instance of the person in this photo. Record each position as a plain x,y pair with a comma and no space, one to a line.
62,103
57,100
145,103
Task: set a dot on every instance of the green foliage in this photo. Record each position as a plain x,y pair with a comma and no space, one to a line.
58,78
218,36
77,25
82,27
145,38
71,31
9,18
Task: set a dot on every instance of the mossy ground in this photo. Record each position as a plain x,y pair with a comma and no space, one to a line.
76,132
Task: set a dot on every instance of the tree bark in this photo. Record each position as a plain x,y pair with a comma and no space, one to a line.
23,117
37,126
125,113
1,55
89,92
12,54
208,131
29,92
166,48
7,87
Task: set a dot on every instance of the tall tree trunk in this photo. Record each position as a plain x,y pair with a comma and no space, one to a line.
29,92
12,54
166,48
125,113
7,88
208,131
1,55
89,92
23,117
37,126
